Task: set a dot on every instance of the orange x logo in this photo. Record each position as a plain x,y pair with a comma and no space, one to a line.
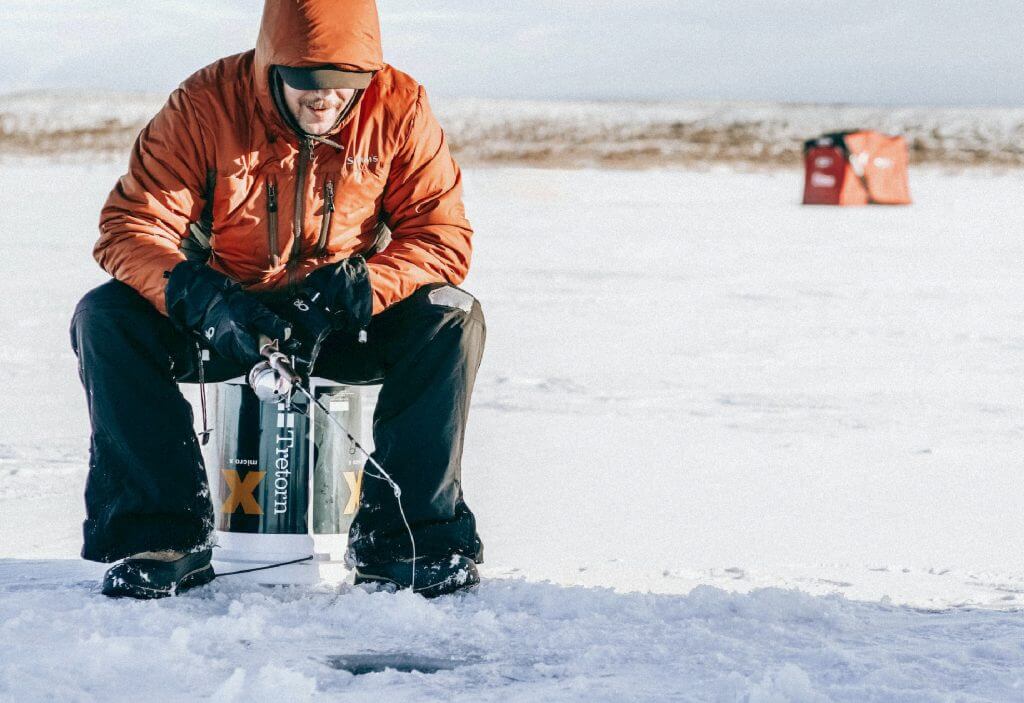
241,492
354,479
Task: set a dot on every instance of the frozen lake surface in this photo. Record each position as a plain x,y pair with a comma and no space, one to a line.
812,416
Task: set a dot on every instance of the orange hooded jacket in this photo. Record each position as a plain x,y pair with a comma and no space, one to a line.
283,206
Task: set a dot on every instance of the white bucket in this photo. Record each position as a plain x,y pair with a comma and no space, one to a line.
285,480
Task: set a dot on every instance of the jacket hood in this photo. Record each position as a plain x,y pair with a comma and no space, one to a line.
308,33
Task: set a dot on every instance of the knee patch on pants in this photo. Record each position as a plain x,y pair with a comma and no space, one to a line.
452,297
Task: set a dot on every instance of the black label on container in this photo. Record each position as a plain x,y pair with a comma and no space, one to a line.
264,463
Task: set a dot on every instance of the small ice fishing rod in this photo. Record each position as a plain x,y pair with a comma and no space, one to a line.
274,379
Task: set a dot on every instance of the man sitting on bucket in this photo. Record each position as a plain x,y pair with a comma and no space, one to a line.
266,174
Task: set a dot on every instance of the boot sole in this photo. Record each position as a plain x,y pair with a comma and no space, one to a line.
198,577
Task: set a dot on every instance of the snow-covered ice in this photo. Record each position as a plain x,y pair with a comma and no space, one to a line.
723,447
513,640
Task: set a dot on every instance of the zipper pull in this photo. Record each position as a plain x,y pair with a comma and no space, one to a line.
329,196
325,219
272,223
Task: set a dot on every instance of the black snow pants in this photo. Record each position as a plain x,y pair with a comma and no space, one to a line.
147,487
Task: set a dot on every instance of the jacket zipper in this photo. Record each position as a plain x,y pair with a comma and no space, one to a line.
305,156
275,258
325,221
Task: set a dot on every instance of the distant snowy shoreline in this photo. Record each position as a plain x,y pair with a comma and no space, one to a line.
570,134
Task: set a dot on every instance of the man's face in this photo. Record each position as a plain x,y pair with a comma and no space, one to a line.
316,111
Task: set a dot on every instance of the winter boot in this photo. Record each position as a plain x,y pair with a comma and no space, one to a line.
158,574
435,576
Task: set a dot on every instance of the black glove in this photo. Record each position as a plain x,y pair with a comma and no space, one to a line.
226,317
310,327
342,290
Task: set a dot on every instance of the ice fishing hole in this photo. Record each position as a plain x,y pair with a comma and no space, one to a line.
359,664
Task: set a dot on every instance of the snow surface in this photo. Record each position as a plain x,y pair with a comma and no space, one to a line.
512,641
723,447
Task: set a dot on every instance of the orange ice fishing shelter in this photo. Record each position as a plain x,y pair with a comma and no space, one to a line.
856,168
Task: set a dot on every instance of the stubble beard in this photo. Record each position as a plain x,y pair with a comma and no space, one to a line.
318,116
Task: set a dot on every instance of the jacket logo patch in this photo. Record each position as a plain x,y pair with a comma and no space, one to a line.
362,161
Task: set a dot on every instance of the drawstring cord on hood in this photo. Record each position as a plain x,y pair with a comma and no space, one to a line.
325,140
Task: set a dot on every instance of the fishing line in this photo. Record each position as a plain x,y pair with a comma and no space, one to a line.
261,568
273,381
383,476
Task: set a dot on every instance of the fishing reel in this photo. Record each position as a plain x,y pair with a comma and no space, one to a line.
274,378
282,370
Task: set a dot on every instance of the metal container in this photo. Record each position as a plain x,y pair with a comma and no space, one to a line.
286,480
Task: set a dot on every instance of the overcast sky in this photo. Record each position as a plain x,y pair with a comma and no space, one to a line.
921,52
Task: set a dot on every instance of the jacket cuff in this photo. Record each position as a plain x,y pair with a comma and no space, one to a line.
343,289
191,288
358,293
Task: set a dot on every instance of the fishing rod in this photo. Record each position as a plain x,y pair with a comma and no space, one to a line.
274,379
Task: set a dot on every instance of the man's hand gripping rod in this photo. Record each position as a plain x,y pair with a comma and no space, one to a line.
274,379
